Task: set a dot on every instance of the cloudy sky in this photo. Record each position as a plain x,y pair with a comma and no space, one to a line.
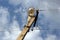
13,17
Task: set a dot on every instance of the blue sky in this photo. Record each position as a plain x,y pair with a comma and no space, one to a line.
13,17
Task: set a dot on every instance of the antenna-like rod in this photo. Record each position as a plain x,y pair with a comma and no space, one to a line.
36,17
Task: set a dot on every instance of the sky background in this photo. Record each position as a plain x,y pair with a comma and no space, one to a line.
13,17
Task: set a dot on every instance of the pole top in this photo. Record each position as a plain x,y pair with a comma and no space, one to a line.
31,11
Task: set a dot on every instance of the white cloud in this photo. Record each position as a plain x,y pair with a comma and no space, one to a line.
25,3
8,31
40,4
4,14
33,35
13,31
51,37
4,20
